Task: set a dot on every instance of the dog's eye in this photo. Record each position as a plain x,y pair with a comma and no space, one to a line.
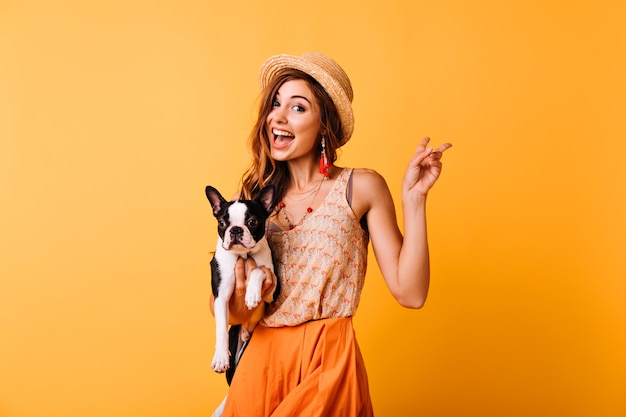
222,222
252,222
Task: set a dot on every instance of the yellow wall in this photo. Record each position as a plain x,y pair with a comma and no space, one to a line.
114,115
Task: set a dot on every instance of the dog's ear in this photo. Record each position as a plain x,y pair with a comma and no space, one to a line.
266,197
215,198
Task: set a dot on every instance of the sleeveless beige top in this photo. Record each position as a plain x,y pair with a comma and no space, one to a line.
320,263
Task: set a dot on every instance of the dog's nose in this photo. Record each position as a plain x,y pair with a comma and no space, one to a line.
236,231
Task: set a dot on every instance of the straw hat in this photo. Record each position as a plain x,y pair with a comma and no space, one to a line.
326,72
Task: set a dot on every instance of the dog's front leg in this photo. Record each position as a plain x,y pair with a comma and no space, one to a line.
221,358
254,288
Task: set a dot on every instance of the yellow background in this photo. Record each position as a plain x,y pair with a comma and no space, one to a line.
114,115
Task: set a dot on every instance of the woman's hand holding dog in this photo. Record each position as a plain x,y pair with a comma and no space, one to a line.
238,312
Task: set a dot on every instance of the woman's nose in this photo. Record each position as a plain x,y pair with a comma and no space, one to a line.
279,114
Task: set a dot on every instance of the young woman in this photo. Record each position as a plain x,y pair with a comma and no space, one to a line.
303,359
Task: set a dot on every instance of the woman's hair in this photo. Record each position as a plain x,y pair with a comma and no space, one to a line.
263,170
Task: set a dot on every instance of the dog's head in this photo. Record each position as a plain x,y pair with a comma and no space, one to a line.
241,223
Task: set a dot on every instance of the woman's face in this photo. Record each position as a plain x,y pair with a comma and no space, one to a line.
294,122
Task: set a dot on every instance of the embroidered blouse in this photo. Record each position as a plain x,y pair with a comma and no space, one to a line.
320,263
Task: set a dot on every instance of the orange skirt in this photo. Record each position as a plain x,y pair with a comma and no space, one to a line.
313,369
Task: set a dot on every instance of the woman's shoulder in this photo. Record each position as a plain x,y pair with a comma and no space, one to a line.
366,178
368,186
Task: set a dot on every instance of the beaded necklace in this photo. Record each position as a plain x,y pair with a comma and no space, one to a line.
309,209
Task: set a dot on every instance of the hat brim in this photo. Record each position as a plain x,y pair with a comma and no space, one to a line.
314,65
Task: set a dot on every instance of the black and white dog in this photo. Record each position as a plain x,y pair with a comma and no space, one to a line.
241,233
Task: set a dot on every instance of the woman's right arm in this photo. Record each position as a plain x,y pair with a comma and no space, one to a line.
237,311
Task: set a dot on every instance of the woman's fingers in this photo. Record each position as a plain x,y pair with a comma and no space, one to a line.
240,278
438,153
269,284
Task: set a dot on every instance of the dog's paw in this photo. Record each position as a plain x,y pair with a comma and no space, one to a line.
221,362
253,297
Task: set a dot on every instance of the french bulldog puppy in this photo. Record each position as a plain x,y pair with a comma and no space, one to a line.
241,233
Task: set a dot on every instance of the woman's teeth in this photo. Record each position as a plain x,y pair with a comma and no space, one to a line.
281,133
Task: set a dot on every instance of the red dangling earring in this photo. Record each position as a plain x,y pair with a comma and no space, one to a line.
325,164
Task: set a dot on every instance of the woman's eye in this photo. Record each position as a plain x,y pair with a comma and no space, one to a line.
298,108
275,103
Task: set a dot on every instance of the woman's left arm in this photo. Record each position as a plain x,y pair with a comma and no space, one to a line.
403,260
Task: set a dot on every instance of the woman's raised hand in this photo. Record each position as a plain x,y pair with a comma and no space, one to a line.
423,170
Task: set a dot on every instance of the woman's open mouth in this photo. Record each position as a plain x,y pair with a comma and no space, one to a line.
282,138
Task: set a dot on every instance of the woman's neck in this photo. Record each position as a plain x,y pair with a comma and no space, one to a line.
303,176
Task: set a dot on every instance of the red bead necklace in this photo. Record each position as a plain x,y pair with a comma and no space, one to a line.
309,209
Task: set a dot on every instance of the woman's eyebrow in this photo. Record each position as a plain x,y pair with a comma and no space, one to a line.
295,96
302,97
